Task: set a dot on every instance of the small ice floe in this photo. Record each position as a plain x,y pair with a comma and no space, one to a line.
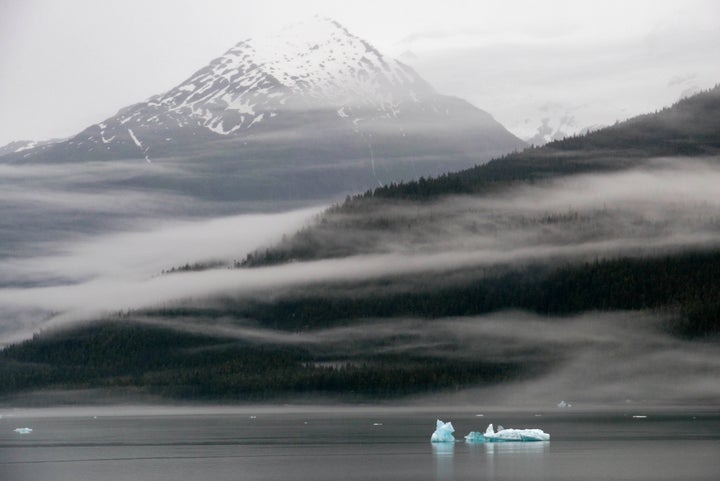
639,416
479,415
253,417
23,430
443,433
507,435
377,424
563,404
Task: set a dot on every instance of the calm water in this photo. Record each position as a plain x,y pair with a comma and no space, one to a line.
361,444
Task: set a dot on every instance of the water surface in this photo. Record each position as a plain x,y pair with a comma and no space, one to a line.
354,444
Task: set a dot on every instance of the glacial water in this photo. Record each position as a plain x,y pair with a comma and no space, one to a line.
325,443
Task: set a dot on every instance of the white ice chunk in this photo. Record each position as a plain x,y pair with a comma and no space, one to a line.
507,435
563,404
23,430
443,433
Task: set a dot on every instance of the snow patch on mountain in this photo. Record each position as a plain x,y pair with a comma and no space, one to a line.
139,144
306,78
26,145
310,65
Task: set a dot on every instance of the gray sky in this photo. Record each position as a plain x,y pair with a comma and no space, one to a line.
66,65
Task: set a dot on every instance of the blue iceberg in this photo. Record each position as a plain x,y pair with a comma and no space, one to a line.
23,430
507,435
443,433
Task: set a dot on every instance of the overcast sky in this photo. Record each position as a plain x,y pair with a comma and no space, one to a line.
68,64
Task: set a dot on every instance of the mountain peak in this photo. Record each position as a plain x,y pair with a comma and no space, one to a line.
323,59
312,96
312,64
311,30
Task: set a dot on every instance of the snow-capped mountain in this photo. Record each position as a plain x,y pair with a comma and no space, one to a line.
309,101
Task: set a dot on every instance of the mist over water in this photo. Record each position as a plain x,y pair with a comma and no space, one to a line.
610,357
670,205
614,358
50,208
202,313
82,224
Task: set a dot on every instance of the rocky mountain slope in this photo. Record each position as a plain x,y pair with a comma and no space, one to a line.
313,108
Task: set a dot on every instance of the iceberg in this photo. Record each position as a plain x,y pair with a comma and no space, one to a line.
23,430
443,433
507,435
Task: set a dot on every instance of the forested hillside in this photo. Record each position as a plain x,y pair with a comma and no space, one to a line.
690,129
623,222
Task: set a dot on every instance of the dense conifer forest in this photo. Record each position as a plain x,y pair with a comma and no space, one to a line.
154,351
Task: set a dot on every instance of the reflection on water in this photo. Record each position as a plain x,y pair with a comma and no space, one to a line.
489,458
536,448
443,455
521,460
321,445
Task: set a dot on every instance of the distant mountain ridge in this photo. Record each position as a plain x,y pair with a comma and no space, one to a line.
314,99
23,145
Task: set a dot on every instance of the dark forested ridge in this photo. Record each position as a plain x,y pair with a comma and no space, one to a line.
141,358
145,358
170,350
685,285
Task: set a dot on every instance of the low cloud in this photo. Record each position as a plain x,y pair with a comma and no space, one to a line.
621,357
86,277
670,205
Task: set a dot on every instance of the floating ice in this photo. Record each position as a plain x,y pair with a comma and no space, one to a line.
563,404
443,433
23,430
507,435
